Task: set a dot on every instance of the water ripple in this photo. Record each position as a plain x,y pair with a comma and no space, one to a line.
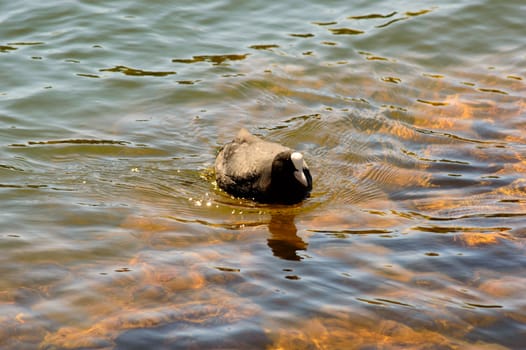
114,233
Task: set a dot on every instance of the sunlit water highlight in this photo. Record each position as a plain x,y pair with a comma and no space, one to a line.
411,117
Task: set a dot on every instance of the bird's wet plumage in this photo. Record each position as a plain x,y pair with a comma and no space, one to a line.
267,172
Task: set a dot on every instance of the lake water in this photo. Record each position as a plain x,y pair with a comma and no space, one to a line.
411,116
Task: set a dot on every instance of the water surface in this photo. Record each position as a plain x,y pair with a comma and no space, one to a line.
411,117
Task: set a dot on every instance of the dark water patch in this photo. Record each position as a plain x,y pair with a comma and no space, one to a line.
386,24
346,31
11,168
330,23
136,72
28,186
393,80
303,118
493,91
264,47
374,15
26,43
188,82
394,302
461,138
484,306
433,103
371,302
417,13
227,269
431,254
504,215
456,229
233,75
88,75
449,180
458,163
214,59
372,57
7,48
293,277
79,141
512,200
434,76
302,35
346,233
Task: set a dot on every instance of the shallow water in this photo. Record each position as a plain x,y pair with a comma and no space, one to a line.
411,117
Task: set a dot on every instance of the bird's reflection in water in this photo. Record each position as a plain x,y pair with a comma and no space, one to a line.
284,241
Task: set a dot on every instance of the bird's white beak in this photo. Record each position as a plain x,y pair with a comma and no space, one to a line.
300,176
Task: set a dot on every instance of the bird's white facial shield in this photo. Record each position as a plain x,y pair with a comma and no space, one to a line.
297,160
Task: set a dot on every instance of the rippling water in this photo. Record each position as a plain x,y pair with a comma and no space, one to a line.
412,118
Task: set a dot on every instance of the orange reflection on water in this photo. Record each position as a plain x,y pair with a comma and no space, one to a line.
478,239
343,330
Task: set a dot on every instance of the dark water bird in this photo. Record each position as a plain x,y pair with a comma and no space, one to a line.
267,172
